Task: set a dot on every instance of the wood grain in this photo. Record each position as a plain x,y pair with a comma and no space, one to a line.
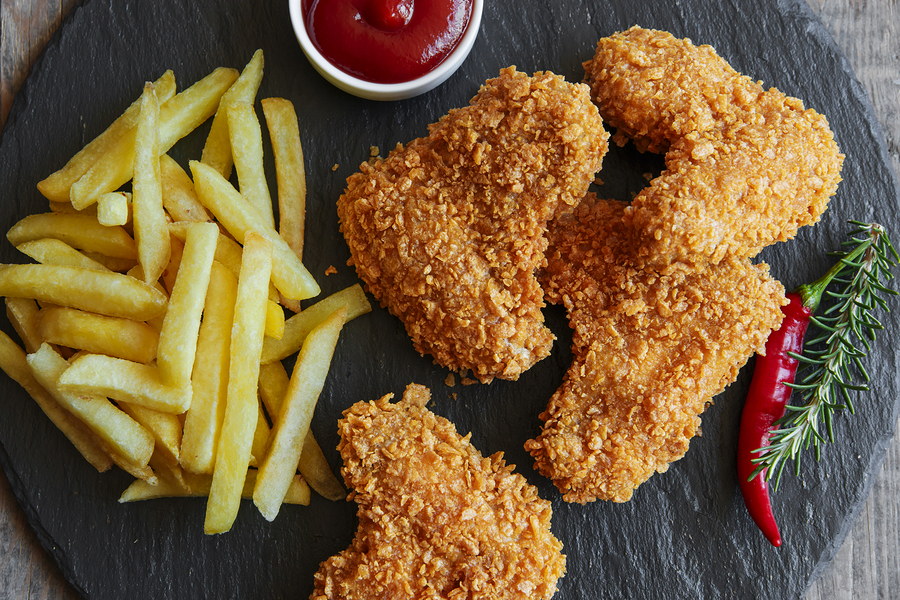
867,567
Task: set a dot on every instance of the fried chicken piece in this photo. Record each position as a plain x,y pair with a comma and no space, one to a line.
436,519
744,167
448,231
651,350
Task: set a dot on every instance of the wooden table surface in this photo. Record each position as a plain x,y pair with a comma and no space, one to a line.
868,564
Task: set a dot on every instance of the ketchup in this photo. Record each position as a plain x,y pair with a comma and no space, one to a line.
386,41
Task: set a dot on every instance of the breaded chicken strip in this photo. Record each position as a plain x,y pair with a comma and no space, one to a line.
650,351
744,167
448,230
436,519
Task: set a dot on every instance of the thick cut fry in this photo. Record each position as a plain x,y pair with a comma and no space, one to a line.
317,472
217,151
79,231
260,438
203,420
273,386
171,472
114,208
178,195
178,116
295,415
150,231
199,485
178,339
247,150
111,425
274,320
24,316
14,363
165,429
99,334
49,251
56,186
298,326
101,292
228,252
290,172
124,381
288,273
242,407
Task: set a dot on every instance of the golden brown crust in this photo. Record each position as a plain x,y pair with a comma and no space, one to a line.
744,167
437,520
448,230
651,350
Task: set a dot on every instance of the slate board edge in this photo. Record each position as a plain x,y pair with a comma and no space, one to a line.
801,11
877,457
46,541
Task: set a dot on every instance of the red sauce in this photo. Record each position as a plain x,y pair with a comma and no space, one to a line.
386,41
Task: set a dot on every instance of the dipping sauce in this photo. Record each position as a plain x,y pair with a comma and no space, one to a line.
386,41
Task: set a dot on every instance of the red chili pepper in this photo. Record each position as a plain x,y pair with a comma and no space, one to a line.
765,404
770,392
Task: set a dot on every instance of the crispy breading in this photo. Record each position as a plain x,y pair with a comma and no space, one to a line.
745,167
651,350
436,519
448,230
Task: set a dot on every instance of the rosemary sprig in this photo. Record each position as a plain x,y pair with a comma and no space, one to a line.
828,362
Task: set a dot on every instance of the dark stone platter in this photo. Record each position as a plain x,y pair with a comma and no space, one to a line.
684,535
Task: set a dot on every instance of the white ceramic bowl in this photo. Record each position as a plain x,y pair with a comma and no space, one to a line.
386,91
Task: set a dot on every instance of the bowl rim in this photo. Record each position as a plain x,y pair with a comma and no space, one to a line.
386,91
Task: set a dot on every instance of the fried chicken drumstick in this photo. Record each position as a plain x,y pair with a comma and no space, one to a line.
436,519
448,230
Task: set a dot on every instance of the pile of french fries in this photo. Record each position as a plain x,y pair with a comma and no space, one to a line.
153,317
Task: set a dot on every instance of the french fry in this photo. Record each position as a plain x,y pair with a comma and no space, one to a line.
228,252
101,292
114,208
274,320
298,326
50,251
199,486
170,273
178,116
273,386
242,407
165,429
98,334
292,424
178,195
79,231
290,173
178,338
217,151
119,265
317,472
14,363
24,315
168,471
247,151
56,186
288,273
150,231
260,439
124,381
203,420
113,426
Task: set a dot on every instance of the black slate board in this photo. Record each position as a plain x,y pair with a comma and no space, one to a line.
684,535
